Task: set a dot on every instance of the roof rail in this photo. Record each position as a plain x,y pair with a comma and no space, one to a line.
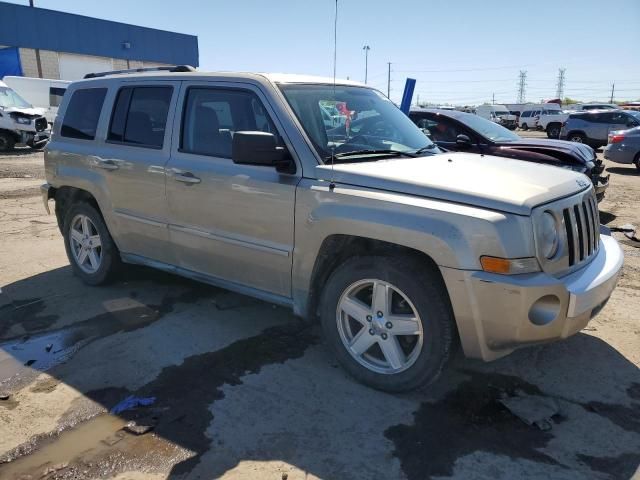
174,68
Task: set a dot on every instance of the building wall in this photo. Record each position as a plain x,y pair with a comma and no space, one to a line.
50,62
33,27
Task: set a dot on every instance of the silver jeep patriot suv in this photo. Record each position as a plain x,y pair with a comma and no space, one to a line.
326,198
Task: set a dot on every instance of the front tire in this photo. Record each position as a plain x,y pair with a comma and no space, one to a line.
7,142
388,321
636,161
576,137
524,126
553,130
92,253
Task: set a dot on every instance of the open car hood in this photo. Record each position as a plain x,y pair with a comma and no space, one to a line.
491,182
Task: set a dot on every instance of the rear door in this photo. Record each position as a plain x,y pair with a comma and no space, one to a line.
233,223
132,161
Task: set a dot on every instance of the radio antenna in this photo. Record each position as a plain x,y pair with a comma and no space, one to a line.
332,185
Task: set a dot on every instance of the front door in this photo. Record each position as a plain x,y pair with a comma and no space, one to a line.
228,221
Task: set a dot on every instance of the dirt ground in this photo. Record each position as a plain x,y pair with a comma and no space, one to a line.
240,389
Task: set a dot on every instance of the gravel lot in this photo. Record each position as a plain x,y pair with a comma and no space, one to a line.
243,390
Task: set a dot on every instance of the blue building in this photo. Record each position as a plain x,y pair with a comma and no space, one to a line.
37,42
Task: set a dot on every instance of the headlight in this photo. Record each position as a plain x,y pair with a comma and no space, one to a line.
23,120
548,236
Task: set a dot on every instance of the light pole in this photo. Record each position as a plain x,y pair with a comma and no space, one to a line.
366,49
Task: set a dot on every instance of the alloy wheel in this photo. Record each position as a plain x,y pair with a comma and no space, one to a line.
379,326
86,244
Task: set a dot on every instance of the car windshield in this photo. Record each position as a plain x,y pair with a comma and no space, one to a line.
634,113
10,99
501,113
488,129
367,123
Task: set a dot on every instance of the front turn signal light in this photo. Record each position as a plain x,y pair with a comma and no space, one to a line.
509,266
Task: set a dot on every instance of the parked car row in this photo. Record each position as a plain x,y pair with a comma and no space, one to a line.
593,127
399,250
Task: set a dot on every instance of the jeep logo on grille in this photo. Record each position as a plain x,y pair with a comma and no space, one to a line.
582,183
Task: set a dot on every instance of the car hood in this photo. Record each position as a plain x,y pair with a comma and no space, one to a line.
491,182
31,112
581,152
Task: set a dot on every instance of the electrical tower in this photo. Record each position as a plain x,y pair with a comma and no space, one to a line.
560,89
522,85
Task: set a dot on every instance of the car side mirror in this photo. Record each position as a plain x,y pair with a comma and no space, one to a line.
260,148
463,141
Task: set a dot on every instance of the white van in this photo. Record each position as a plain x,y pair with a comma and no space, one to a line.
40,92
530,115
20,123
498,114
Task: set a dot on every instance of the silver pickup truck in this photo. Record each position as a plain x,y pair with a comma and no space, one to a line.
400,250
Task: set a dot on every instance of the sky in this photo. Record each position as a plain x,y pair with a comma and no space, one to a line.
459,51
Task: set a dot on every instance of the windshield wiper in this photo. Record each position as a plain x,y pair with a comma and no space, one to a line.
356,153
424,149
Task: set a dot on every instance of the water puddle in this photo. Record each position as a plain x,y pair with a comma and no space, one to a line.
93,449
23,358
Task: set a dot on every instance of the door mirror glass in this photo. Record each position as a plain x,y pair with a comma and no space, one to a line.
463,141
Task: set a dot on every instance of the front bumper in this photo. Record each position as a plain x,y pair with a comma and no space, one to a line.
496,314
46,191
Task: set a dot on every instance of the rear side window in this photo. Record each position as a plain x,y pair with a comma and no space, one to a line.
83,113
212,116
140,116
55,96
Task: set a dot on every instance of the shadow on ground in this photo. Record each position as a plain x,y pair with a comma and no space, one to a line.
631,170
272,394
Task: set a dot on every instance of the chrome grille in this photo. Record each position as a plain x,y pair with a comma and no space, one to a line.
582,225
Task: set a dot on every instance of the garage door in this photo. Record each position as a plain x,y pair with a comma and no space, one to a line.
75,67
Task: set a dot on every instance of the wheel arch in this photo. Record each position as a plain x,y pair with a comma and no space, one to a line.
66,196
337,248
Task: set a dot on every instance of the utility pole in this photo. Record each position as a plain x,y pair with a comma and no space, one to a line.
613,89
37,50
560,89
493,99
522,84
389,81
366,49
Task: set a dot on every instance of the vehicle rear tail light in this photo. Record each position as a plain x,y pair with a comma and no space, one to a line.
616,138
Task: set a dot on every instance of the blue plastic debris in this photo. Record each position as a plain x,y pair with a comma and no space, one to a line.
132,402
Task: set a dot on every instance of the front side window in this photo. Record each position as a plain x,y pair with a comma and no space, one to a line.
526,114
83,112
364,120
140,116
213,115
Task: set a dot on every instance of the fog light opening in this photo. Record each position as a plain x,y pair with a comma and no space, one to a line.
545,310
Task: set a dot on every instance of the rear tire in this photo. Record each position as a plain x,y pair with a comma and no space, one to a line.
92,252
415,301
7,142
